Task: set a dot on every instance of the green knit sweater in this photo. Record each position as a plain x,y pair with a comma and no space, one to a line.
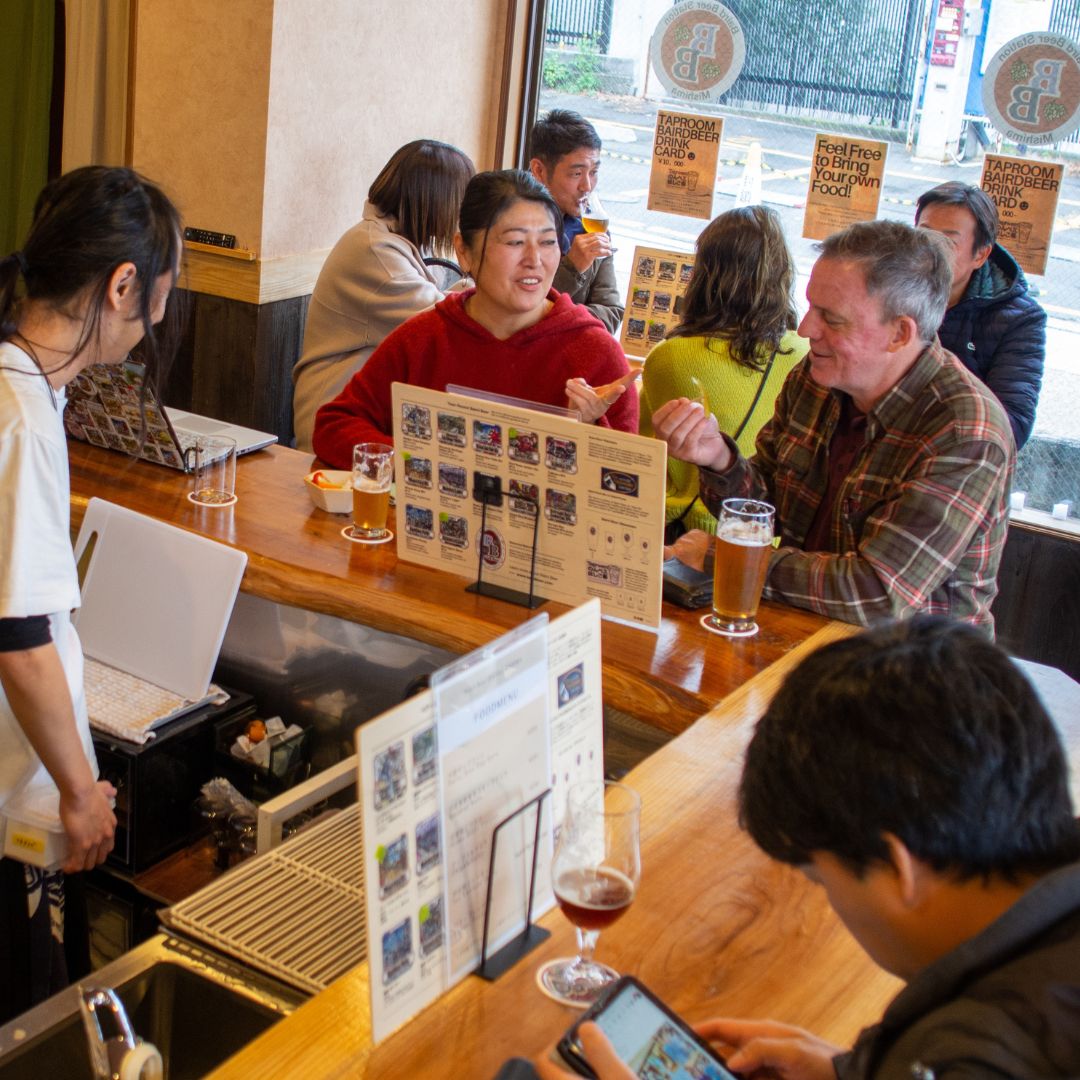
730,388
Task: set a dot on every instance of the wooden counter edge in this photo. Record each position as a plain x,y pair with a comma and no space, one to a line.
330,1036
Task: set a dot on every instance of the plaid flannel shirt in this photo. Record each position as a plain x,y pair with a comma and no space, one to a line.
920,521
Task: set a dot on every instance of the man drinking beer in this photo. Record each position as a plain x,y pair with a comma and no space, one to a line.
888,463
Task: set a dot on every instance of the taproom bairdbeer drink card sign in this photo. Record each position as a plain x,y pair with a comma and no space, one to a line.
599,495
1026,196
684,158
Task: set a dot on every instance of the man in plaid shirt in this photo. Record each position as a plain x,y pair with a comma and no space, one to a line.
887,461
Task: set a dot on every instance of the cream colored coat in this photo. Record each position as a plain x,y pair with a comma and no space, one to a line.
372,281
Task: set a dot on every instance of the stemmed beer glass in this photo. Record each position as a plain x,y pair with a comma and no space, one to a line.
595,874
372,473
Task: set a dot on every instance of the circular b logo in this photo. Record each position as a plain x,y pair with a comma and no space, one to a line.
698,50
1031,90
492,548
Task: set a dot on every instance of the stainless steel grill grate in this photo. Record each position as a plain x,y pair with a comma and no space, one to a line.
296,913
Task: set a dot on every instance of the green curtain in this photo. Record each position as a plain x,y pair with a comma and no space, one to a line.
26,69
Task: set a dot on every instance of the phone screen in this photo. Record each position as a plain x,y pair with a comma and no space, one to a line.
652,1044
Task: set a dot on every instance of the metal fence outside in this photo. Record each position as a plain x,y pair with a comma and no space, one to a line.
862,63
578,22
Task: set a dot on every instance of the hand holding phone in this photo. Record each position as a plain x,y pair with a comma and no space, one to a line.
646,1036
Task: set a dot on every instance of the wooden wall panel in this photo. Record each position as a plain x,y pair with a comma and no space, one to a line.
236,359
1037,610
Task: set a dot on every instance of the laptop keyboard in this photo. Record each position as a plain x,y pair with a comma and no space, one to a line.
127,706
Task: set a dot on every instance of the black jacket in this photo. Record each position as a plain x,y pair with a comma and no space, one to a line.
998,331
1006,1003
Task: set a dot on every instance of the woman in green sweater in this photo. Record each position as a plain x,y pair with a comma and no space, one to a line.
733,348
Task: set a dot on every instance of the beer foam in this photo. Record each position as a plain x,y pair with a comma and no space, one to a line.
744,535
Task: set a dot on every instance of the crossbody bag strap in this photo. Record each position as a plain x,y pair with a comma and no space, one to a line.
757,397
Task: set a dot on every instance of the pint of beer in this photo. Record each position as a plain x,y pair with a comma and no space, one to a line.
744,535
373,470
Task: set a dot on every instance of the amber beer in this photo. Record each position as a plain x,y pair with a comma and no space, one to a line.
594,224
373,470
369,507
743,544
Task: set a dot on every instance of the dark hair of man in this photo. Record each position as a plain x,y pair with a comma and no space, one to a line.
909,270
740,289
421,187
559,133
85,225
923,729
489,195
970,198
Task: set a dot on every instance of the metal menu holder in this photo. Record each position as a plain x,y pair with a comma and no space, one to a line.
491,713
459,788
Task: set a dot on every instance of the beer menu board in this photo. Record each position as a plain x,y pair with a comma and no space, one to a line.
654,300
1026,196
845,183
599,495
684,156
411,818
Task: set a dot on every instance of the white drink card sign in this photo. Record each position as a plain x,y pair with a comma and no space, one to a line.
518,716
600,495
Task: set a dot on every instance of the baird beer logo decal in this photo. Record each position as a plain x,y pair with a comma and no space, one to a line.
698,50
1031,90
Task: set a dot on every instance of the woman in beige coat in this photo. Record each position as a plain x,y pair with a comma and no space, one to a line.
375,278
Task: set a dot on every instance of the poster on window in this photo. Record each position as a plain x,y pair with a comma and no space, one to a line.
654,300
845,183
684,159
1026,196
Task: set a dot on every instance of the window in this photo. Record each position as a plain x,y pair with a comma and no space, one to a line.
868,73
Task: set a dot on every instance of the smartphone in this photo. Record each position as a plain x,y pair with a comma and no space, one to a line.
648,1037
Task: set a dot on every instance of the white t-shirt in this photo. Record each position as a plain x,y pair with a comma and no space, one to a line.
37,566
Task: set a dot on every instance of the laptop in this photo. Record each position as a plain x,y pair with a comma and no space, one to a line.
103,409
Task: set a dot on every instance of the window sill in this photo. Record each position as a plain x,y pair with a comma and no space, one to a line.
1044,522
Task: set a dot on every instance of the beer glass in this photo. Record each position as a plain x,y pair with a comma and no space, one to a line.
372,472
744,536
595,218
595,874
211,459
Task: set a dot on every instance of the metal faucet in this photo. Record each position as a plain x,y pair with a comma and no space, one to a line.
120,1055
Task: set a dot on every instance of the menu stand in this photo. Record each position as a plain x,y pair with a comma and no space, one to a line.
491,967
487,490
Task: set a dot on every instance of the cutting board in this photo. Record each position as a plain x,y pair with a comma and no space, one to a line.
156,600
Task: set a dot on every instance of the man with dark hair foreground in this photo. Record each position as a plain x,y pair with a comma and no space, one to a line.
888,463
564,155
914,773
993,324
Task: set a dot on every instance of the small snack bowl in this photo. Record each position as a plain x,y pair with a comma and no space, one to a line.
330,490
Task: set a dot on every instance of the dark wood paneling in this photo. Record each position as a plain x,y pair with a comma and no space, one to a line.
236,359
1037,610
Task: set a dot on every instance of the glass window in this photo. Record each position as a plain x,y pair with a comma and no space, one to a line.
906,72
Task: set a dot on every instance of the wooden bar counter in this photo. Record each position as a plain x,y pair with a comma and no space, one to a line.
716,929
297,556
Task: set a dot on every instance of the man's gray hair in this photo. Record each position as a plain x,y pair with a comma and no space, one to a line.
909,270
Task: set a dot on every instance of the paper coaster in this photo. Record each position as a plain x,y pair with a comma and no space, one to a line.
726,633
565,1000
210,505
356,539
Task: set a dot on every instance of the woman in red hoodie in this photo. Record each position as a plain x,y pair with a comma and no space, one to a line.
511,334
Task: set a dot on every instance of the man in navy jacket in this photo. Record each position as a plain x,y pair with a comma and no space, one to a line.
992,323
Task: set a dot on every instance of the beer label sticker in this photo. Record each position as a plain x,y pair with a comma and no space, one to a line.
698,49
684,158
1031,89
1026,196
845,183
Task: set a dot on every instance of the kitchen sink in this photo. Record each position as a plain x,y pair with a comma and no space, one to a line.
196,1007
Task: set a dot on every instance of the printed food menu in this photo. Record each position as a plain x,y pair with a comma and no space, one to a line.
594,496
425,802
654,300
